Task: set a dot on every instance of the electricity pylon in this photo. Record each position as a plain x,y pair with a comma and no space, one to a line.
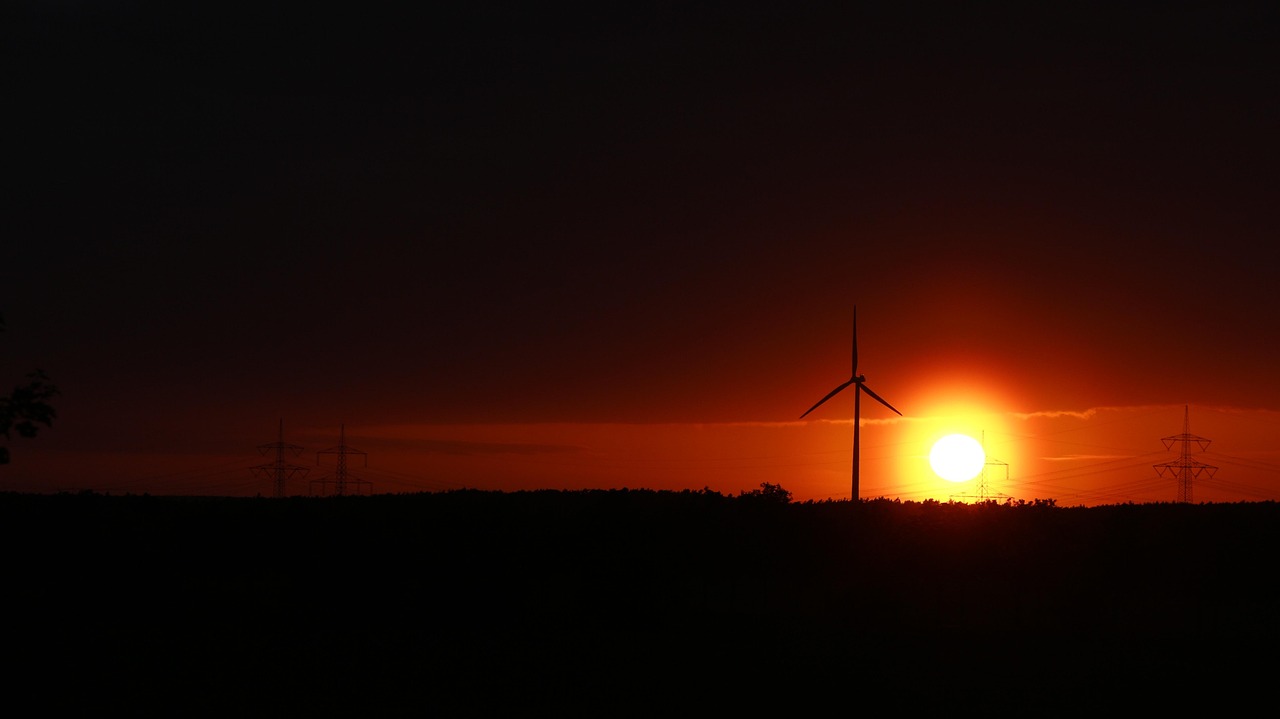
340,479
280,471
1186,468
984,493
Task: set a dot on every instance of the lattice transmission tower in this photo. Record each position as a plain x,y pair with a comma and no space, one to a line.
280,471
1186,468
340,482
984,492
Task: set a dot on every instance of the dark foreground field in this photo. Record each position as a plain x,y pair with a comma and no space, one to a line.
622,603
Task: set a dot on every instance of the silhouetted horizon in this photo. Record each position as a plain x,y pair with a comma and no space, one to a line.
614,600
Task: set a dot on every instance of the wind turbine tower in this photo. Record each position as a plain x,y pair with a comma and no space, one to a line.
280,471
1186,468
859,382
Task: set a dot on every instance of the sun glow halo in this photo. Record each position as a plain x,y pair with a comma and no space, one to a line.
957,457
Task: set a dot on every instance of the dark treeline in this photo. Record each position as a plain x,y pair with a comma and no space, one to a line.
611,600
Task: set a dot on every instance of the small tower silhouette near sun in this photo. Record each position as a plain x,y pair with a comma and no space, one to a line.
1186,468
984,493
280,471
340,482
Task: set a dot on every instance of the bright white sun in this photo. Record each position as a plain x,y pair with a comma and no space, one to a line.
957,457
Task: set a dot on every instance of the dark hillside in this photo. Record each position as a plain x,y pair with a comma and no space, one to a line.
600,602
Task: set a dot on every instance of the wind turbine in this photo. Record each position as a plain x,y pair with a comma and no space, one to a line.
859,382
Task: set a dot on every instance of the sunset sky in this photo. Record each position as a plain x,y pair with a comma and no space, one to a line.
526,245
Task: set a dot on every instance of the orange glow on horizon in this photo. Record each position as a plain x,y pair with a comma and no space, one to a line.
1093,456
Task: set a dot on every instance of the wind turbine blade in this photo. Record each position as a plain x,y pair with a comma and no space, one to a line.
877,398
855,340
830,394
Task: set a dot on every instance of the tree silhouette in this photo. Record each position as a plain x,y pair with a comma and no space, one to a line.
773,493
26,407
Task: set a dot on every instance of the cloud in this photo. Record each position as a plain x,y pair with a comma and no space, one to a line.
1087,457
1055,414
427,438
876,422
459,447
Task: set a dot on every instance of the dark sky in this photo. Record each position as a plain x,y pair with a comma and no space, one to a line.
493,212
